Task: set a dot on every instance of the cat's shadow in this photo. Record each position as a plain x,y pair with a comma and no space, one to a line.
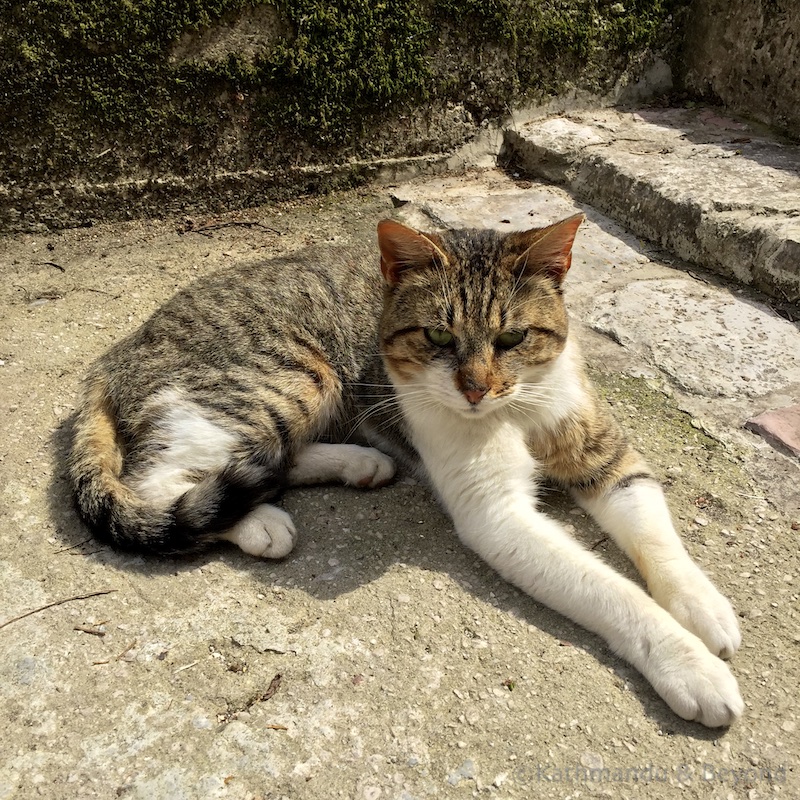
350,538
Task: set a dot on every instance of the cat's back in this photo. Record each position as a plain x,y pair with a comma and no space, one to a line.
324,300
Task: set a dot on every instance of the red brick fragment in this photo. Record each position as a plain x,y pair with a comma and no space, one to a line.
781,428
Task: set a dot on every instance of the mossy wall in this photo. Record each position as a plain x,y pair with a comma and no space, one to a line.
102,92
745,54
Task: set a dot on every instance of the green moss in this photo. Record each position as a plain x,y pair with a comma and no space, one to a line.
651,416
345,66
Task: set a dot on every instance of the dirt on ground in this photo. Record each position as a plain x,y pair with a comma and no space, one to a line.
380,659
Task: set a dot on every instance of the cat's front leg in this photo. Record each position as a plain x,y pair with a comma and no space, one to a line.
484,481
589,454
637,518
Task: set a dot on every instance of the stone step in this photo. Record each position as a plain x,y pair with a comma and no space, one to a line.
715,191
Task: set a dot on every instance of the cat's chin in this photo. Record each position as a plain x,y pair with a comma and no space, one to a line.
479,411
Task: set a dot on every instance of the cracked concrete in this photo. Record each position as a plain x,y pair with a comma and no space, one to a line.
408,669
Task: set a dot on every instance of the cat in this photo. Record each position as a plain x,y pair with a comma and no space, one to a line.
457,356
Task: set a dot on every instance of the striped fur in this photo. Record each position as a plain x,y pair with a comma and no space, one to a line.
196,418
459,361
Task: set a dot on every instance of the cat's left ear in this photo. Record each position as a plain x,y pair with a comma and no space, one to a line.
403,248
546,250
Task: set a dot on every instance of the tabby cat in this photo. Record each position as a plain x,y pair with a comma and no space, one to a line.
457,354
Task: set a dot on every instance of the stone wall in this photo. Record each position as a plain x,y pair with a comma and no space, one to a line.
112,109
746,54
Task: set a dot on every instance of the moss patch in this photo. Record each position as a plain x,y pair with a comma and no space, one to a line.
703,477
90,89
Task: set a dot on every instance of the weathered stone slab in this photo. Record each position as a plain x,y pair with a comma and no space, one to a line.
712,190
780,427
745,53
706,340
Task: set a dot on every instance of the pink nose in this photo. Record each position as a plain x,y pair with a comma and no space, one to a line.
475,395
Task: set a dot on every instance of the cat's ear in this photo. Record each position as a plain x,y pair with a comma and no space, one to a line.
547,250
403,248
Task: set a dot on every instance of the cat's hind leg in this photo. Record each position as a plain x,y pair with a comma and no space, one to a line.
209,481
350,464
266,532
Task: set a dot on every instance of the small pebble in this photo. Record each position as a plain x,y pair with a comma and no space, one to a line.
592,760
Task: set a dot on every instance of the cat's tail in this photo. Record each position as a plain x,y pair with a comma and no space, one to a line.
118,515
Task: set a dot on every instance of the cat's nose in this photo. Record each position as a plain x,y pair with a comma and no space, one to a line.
475,395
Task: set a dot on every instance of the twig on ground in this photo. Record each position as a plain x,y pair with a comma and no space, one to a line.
273,687
56,603
94,631
186,666
598,543
97,291
73,546
235,224
126,651
52,264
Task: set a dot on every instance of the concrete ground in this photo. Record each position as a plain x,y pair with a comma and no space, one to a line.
381,659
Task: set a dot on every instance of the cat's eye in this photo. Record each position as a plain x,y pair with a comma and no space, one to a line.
509,339
439,337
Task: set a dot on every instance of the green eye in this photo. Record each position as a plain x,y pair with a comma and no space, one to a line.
509,339
439,337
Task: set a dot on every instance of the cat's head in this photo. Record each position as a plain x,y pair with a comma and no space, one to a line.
472,318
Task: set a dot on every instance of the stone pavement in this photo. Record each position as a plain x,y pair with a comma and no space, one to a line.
380,659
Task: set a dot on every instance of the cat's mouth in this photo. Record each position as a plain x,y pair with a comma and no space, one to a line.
486,406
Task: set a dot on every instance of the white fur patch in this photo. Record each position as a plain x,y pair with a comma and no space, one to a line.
550,393
191,443
349,463
266,532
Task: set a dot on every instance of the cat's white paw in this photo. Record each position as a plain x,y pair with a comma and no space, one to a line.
700,608
695,684
266,532
367,467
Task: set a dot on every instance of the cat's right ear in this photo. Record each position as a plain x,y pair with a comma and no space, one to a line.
403,248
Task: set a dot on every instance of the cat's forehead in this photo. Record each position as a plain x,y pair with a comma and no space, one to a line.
479,260
473,246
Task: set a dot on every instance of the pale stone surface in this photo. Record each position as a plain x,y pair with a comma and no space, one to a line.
705,339
711,189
